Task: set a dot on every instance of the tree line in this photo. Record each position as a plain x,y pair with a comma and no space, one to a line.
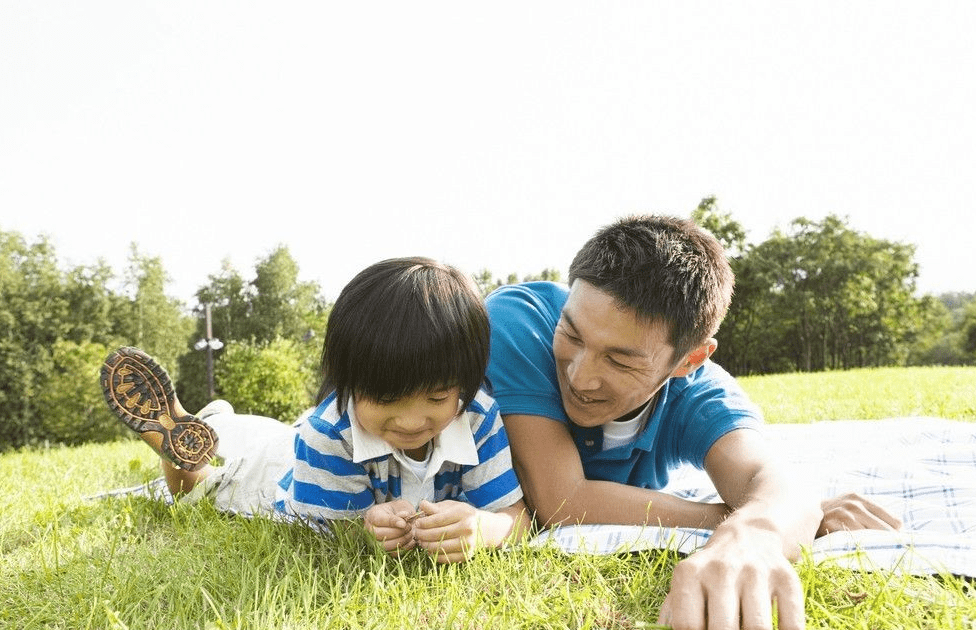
815,296
822,296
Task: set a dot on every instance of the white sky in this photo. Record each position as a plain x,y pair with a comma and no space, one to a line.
494,135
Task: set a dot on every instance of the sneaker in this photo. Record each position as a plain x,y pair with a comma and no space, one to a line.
139,391
215,407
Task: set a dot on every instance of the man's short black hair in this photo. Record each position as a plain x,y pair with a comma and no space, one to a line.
666,269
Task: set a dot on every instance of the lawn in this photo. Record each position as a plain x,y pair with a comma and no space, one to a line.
69,562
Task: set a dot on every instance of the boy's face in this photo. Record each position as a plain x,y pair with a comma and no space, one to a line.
608,363
410,422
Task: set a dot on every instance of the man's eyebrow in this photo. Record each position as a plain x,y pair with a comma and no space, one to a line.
627,352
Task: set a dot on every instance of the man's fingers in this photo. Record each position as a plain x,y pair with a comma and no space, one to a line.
685,603
788,594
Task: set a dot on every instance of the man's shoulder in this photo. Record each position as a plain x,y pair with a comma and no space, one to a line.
541,296
711,383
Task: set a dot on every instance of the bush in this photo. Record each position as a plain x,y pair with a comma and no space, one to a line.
273,380
70,406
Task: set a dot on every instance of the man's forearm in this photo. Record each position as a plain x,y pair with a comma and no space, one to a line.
791,515
593,501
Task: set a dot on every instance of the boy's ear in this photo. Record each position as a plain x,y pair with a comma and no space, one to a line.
695,358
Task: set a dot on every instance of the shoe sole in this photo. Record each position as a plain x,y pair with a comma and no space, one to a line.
139,391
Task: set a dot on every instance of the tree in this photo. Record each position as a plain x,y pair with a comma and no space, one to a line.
32,317
723,227
274,306
153,321
486,282
968,331
822,296
70,408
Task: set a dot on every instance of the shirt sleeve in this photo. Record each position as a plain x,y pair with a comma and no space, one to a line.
325,484
521,369
491,484
708,404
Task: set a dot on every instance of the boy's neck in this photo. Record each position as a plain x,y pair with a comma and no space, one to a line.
418,454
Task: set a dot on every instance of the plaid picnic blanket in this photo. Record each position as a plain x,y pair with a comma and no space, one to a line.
920,469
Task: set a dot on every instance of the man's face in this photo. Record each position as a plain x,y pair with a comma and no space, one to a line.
607,361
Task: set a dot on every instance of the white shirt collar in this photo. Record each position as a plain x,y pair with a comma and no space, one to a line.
454,444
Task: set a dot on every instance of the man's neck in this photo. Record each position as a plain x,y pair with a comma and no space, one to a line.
636,412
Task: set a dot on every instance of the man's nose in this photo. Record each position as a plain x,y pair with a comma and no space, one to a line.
582,372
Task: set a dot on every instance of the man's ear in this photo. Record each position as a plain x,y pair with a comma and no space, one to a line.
695,358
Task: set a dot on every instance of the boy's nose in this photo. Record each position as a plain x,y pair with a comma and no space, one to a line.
411,422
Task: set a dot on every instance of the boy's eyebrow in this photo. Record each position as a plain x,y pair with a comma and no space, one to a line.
627,352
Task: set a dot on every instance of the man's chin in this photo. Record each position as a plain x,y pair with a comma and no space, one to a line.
582,419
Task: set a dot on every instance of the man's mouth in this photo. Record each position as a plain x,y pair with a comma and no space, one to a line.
582,399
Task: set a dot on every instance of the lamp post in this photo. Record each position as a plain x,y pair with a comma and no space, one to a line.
210,344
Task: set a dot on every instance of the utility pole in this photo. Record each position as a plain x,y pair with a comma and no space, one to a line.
210,344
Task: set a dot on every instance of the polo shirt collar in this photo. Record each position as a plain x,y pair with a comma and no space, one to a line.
454,444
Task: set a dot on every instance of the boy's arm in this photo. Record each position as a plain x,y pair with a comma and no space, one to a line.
551,474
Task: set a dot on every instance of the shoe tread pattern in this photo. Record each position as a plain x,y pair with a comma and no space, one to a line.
140,392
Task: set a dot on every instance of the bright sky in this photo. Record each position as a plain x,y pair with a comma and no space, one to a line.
492,135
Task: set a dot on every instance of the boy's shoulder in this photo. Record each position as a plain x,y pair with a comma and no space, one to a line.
325,417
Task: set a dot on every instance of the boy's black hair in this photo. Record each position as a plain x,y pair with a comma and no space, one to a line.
405,326
666,269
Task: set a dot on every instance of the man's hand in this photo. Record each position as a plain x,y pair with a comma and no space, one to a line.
852,512
734,580
389,523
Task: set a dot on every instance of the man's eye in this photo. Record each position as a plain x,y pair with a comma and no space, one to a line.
570,336
618,364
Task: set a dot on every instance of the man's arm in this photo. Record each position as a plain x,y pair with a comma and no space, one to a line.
757,488
745,565
551,474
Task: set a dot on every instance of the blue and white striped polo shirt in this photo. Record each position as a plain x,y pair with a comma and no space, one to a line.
330,480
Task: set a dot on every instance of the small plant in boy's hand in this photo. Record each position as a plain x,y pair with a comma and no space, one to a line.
392,524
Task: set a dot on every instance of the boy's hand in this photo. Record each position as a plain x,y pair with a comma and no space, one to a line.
450,532
388,523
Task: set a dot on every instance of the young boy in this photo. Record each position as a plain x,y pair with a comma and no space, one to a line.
403,436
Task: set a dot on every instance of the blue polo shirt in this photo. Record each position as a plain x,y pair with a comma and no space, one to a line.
690,414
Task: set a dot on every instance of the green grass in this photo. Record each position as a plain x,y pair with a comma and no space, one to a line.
67,562
866,394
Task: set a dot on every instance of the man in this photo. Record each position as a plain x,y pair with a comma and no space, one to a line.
607,385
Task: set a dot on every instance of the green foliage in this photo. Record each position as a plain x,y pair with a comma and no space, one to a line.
149,319
274,306
40,306
70,406
273,379
486,282
723,227
822,296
